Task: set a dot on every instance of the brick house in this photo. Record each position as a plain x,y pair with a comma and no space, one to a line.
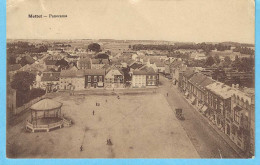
94,78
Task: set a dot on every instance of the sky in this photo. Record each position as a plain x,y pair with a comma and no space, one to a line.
170,20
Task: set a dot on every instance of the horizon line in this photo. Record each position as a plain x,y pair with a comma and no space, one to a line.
135,40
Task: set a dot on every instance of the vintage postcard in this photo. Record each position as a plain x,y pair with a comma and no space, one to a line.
130,79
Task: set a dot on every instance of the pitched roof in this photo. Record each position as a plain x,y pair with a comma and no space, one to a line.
72,73
100,61
145,71
159,64
50,62
197,78
176,63
205,83
188,73
136,66
84,60
14,67
94,72
50,76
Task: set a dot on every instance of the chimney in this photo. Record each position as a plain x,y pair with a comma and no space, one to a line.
237,86
233,85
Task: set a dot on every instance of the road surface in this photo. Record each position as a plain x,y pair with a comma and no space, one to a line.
208,143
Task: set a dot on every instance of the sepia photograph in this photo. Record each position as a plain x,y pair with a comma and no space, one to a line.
130,79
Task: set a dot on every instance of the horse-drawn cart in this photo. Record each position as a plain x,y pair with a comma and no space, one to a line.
179,114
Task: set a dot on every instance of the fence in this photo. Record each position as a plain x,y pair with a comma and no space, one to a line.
27,105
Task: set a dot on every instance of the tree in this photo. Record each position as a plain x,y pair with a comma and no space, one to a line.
22,81
102,56
216,59
94,47
63,64
11,60
237,63
247,64
227,61
26,60
209,61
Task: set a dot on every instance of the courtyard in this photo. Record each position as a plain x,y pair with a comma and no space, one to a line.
139,126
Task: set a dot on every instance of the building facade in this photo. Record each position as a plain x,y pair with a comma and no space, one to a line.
72,80
242,121
114,78
94,78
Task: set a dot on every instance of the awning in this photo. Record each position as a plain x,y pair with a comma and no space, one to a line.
200,106
237,108
204,108
193,100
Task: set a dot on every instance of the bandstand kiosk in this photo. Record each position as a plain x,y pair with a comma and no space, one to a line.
46,115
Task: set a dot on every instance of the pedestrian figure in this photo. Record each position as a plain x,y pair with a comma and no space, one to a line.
81,148
106,100
167,94
93,113
110,143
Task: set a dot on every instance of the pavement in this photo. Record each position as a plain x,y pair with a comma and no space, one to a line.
139,126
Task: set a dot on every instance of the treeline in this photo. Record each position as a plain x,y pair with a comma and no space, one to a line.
59,44
240,64
244,50
23,47
205,47
178,54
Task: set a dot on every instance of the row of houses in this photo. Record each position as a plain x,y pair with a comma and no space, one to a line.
80,79
230,108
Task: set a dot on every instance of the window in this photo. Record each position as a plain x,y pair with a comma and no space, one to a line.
252,133
100,79
89,78
95,78
236,116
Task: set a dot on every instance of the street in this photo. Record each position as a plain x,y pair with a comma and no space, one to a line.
208,143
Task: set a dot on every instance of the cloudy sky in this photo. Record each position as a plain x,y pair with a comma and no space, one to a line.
172,20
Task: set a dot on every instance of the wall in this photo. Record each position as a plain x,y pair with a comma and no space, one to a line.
27,105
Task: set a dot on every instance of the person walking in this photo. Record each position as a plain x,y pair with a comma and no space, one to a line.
93,113
81,148
167,94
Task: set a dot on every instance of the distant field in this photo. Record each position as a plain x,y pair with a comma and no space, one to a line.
139,126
